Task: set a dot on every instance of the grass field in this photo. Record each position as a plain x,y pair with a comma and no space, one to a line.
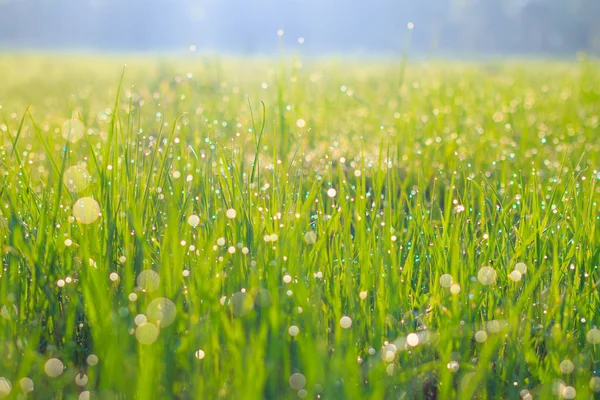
276,229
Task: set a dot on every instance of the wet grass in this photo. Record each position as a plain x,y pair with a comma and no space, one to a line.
313,229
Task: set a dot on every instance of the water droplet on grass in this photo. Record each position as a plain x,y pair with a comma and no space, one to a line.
26,384
567,366
193,220
85,395
521,267
310,237
346,322
593,336
72,130
231,213
297,381
86,210
54,368
92,360
81,379
446,280
148,280
595,384
241,303
480,336
569,392
262,298
161,311
77,178
140,319
390,369
5,387
147,333
8,312
486,275
453,366
495,326
515,276
412,339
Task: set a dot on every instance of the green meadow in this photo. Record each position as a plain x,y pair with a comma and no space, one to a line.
205,228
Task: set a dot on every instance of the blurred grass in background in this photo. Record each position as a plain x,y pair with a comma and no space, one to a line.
348,262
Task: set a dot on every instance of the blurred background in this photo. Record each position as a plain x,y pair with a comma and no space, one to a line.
315,26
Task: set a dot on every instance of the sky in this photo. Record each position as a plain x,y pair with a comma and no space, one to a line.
312,26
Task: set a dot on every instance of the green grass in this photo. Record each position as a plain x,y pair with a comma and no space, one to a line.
458,167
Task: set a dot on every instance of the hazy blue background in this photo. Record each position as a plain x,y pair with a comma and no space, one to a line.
341,26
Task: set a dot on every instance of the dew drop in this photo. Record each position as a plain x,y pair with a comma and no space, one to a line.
446,280
231,213
193,220
569,392
515,276
486,275
148,280
76,178
567,366
262,298
5,387
346,322
241,303
92,360
54,368
453,366
521,267
146,333
72,130
161,311
140,319
593,336
26,384
81,379
412,339
297,381
480,336
293,330
85,395
310,237
86,210
455,288
595,384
